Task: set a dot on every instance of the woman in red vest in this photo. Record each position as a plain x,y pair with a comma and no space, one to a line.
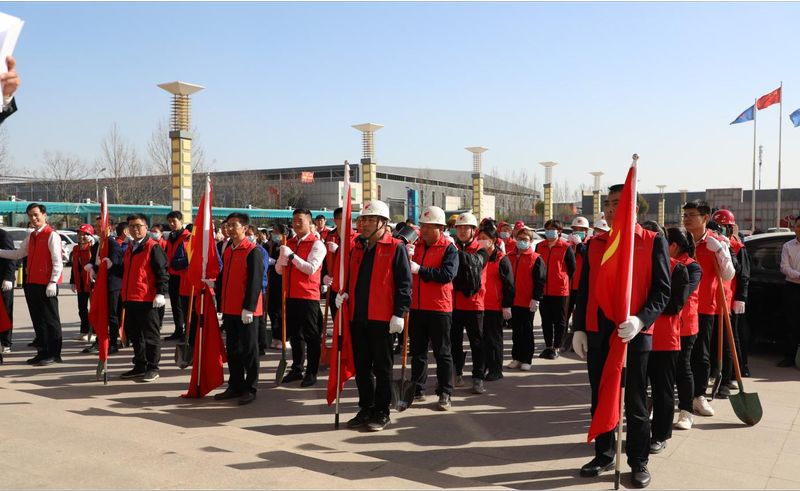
177,263
80,279
559,259
530,274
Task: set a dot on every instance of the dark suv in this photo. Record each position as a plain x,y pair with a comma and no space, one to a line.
765,296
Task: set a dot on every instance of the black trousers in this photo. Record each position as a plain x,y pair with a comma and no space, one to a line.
143,327
661,373
372,354
554,319
727,356
302,328
493,340
791,299
472,320
522,334
637,440
83,311
178,314
701,353
8,301
275,323
434,328
683,373
241,345
742,328
45,319
114,316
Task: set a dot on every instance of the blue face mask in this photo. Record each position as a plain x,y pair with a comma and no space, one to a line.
523,245
580,235
276,238
550,234
251,238
504,235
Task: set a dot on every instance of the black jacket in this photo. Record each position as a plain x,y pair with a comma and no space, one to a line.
8,267
115,254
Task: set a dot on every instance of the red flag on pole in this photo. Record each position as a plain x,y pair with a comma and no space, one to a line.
341,323
767,100
98,300
613,292
209,351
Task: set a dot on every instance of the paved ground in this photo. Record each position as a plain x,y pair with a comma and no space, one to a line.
64,430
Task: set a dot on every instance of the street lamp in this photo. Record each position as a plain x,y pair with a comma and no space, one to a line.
97,185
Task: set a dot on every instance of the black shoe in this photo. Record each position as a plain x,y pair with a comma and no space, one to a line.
227,394
46,361
544,352
745,372
491,376
786,363
596,466
552,354
34,344
419,397
91,348
112,349
379,421
174,336
640,476
131,374
309,380
33,361
150,375
361,419
262,351
247,398
657,446
292,376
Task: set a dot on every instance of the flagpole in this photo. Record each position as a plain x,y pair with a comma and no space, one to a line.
204,263
346,223
780,125
753,197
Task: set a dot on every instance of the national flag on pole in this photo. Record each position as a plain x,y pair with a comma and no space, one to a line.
747,115
341,321
767,100
209,351
98,300
795,118
613,292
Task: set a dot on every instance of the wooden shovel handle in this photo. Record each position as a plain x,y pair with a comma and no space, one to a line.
726,320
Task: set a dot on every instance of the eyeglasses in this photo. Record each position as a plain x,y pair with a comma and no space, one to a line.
690,215
138,225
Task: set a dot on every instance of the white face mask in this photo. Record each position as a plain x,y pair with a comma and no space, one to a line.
505,235
485,243
523,245
157,235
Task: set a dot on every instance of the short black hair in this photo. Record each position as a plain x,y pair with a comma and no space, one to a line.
42,208
490,229
654,226
120,229
175,214
320,216
699,205
279,228
190,227
156,226
243,218
302,211
683,240
615,188
337,213
554,223
135,216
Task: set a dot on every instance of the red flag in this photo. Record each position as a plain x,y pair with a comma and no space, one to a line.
98,300
205,265
5,320
767,100
613,293
342,320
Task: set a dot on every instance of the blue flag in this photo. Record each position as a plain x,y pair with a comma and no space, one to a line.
747,115
795,117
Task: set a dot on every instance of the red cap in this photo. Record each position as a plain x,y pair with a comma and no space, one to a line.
519,224
86,228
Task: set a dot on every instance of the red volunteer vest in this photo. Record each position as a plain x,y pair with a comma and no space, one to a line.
381,283
707,303
493,299
138,279
557,284
430,295
172,247
80,257
39,262
476,301
666,329
301,285
576,278
689,323
522,263
234,279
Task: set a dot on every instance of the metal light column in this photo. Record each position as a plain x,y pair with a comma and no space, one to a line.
369,176
181,145
477,180
661,204
596,195
548,190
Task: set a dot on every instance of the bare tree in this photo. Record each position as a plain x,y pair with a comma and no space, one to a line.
159,149
5,154
122,167
62,171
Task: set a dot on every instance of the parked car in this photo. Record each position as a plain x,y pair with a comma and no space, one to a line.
17,234
69,239
765,312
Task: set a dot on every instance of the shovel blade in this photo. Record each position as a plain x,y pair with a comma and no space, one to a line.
747,407
396,386
407,394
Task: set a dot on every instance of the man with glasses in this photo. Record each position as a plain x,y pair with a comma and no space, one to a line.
713,254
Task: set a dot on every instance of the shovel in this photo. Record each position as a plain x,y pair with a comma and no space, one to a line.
403,390
746,406
284,289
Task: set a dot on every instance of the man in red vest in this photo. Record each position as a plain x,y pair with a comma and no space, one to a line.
301,260
177,263
379,283
649,296
44,265
144,283
434,264
241,303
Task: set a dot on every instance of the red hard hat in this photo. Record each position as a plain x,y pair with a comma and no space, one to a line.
724,217
86,228
519,224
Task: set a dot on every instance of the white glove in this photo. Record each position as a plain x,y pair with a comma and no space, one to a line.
8,286
396,325
272,261
341,297
713,244
108,262
575,239
332,247
323,289
209,283
414,268
580,344
247,317
410,248
159,301
534,306
52,289
88,268
630,328
327,280
738,305
285,252
506,313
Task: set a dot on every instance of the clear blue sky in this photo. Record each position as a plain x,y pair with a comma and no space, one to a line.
583,84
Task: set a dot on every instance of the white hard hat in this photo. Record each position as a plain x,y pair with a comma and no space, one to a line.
375,208
467,218
601,224
433,215
580,221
